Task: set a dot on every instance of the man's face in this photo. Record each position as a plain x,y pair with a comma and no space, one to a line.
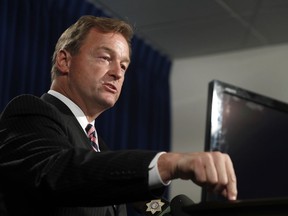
96,73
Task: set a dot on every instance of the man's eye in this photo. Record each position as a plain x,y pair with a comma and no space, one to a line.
123,67
106,58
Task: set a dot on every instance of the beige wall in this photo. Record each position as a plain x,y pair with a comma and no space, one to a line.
263,70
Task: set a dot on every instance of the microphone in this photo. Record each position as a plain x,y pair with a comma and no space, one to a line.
177,204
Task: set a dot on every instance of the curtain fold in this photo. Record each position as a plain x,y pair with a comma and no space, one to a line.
28,33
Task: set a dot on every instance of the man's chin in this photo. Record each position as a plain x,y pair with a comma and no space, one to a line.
109,104
106,101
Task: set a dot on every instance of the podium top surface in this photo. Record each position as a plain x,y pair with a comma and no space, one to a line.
264,205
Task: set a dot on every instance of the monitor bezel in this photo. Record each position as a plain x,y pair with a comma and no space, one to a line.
217,88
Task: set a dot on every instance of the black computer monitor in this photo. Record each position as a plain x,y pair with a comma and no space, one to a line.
253,130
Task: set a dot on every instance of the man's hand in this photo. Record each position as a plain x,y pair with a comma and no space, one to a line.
211,169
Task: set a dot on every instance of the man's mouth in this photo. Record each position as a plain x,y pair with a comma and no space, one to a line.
110,87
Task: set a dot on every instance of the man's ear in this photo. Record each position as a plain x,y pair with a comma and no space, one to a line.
63,61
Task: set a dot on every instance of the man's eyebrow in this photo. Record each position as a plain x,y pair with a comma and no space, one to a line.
105,48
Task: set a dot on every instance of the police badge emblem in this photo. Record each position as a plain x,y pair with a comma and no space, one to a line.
154,206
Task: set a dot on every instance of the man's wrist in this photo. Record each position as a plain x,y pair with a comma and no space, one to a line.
155,180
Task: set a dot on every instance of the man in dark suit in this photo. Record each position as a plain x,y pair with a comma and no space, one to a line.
48,166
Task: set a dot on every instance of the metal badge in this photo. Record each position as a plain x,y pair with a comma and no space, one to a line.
154,206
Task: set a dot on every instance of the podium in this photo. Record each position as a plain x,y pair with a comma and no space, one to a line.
257,207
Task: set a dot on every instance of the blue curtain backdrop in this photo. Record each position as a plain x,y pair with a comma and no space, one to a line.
28,32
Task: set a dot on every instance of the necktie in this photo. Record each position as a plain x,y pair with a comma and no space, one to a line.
91,132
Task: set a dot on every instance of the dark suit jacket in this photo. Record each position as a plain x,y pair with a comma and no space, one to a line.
48,167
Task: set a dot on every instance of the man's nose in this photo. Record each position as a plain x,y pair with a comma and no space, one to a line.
116,71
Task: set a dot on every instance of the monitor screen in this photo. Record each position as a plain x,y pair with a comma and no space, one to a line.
253,130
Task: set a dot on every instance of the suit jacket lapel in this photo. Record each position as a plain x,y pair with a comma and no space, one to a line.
71,121
74,129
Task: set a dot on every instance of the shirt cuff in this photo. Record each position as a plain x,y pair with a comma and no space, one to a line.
155,180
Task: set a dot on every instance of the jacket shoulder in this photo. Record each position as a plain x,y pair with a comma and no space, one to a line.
25,105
